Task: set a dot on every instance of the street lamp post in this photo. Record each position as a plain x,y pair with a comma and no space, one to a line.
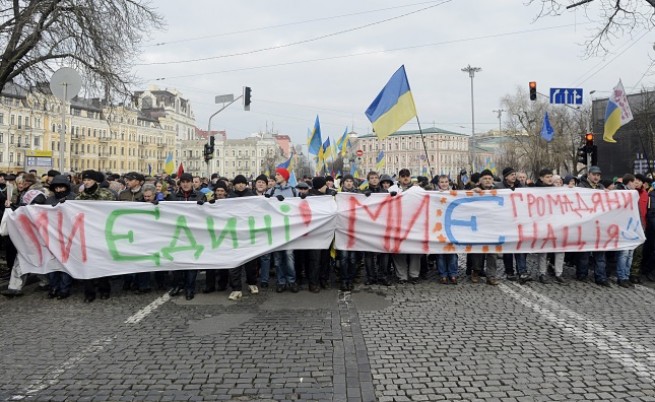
471,71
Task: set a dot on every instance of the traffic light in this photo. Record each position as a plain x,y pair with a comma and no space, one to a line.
533,90
589,142
207,153
247,91
594,155
582,155
211,145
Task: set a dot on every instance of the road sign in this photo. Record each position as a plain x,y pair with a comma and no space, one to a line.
360,153
566,96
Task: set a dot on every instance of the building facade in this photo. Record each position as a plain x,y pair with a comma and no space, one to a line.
447,152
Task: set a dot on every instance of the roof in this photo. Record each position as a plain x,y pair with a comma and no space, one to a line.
425,131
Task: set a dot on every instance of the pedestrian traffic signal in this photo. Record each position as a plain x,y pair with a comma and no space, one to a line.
247,91
533,90
589,142
582,155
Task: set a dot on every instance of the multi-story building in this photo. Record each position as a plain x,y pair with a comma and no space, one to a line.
447,152
97,135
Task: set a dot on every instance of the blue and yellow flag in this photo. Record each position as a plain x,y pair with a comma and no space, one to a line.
327,149
393,107
315,142
341,142
364,185
380,161
617,114
169,167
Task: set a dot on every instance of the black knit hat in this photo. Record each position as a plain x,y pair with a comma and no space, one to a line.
262,177
240,179
318,182
508,171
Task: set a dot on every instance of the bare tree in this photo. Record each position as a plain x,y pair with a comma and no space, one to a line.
526,149
99,38
614,18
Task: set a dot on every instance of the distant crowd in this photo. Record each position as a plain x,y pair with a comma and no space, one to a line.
294,270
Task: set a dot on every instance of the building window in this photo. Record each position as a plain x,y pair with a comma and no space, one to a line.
2,118
11,157
12,120
2,138
11,139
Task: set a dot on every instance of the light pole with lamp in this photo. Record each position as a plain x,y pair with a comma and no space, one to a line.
471,71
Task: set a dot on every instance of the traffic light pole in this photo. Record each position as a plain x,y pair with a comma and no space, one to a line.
209,130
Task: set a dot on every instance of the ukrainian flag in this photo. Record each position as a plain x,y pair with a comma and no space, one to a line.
617,114
393,107
379,161
315,142
327,149
169,167
341,142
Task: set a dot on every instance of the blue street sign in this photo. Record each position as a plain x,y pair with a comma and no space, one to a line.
566,96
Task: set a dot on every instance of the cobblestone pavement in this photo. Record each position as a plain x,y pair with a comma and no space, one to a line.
423,342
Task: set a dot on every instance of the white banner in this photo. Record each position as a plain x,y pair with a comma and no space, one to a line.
528,220
91,239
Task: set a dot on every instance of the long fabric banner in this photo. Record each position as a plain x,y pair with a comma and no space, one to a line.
530,220
91,239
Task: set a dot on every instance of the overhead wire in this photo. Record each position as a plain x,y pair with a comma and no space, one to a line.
301,42
366,53
192,39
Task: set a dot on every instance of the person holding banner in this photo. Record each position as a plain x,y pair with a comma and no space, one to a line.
186,279
408,266
546,180
511,182
241,189
92,191
446,263
592,181
212,275
60,281
284,259
478,260
376,263
347,259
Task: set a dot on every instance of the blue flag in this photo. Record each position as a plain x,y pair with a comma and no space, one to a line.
315,141
547,132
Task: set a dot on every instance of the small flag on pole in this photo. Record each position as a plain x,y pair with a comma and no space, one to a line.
169,167
547,132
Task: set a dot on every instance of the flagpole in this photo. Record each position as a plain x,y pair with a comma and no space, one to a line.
425,148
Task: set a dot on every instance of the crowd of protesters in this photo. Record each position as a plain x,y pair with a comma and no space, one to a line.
316,269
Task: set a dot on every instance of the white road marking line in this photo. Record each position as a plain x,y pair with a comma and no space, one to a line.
52,376
143,313
608,342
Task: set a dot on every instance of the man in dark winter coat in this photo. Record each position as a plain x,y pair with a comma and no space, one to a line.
60,281
241,189
186,279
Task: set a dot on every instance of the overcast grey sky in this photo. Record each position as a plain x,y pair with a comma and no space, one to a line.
362,44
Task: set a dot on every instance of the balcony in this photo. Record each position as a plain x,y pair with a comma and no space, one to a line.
162,145
104,139
104,155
